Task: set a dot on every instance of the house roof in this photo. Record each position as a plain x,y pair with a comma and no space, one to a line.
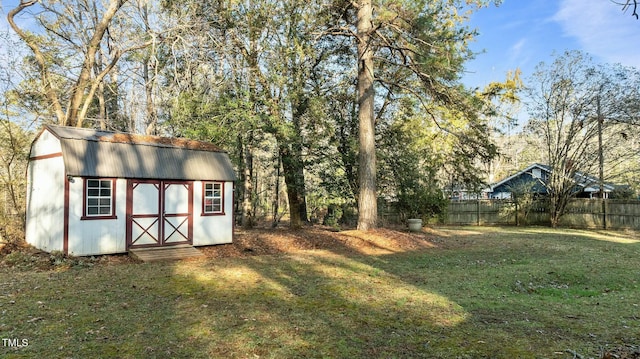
529,168
94,153
588,182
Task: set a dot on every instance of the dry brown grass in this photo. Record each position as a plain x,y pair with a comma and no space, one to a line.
287,241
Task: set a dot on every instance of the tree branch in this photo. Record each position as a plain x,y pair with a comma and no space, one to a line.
100,77
626,5
85,73
44,70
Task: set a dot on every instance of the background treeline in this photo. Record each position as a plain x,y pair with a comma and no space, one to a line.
279,85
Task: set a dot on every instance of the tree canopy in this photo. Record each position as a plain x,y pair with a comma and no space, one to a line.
334,102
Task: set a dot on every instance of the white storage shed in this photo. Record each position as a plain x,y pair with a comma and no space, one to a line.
93,192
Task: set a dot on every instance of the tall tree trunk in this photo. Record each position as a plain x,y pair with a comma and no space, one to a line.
247,166
276,201
102,117
102,105
292,167
301,106
367,203
302,190
347,131
74,117
151,120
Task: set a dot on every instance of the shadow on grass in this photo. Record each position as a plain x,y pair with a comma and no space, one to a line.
306,306
472,299
513,301
316,305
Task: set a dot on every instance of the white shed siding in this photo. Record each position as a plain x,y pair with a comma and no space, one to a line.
96,236
209,230
46,144
45,204
52,184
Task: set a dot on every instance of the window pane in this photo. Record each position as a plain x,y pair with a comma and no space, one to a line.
98,197
212,201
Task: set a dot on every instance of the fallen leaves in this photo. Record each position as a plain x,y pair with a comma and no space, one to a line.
283,241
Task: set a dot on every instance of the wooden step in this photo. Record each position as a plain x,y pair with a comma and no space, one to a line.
165,253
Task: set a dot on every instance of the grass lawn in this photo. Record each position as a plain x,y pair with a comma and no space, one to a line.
475,293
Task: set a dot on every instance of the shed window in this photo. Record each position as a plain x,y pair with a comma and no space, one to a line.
99,201
213,198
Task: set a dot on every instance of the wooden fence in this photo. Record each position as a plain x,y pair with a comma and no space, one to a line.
581,213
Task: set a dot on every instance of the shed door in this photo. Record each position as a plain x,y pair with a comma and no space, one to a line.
159,213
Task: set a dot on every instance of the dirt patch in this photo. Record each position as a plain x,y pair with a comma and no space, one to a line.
25,257
253,242
283,240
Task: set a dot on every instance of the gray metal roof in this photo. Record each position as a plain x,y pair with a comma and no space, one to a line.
588,182
93,153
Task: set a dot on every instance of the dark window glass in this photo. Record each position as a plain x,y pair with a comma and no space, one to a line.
98,197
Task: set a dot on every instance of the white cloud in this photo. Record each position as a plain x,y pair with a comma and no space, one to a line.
515,52
602,29
516,49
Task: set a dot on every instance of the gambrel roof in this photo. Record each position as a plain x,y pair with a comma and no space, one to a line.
95,153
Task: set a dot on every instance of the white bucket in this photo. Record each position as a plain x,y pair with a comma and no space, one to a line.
415,224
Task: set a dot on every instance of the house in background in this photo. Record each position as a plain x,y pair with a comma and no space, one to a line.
533,179
461,193
95,192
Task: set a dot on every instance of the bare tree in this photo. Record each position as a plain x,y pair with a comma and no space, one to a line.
628,5
82,33
574,103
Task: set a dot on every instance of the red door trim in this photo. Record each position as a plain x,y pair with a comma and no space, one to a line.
128,210
190,206
161,186
44,157
65,225
144,230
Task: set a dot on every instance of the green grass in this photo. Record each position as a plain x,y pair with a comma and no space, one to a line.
480,293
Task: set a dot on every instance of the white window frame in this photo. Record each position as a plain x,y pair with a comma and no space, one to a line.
99,200
212,197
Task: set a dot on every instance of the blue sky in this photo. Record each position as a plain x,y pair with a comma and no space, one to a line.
522,33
